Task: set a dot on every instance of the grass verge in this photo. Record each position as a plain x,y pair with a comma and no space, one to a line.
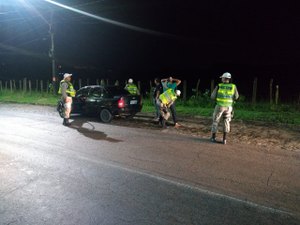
284,114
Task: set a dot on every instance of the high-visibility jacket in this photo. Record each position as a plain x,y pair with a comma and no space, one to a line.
70,90
168,96
132,89
225,94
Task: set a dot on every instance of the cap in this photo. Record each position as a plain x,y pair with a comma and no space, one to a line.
178,92
226,75
130,81
67,75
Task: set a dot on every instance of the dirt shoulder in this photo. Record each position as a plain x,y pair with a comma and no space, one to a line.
265,135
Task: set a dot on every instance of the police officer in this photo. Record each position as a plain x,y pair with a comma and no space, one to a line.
132,88
67,91
164,102
172,83
224,94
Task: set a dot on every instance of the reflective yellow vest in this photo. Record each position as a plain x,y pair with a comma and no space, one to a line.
168,96
70,90
225,94
132,89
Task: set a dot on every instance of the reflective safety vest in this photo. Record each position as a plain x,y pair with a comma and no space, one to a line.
70,90
225,94
132,89
168,96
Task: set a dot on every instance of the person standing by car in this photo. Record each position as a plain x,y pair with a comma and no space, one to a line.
158,89
224,94
67,91
165,102
132,88
171,83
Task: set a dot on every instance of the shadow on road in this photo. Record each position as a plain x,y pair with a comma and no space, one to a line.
78,123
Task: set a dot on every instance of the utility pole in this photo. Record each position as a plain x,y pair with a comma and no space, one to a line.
52,54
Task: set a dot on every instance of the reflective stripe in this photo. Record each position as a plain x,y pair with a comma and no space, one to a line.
132,89
70,90
168,96
225,94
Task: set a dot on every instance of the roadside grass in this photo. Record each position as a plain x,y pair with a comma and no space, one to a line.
38,98
201,107
263,112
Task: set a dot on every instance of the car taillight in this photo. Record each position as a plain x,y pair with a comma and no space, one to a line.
121,103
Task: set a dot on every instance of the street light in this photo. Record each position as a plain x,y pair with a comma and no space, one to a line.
52,53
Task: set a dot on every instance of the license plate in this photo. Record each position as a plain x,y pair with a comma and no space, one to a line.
133,102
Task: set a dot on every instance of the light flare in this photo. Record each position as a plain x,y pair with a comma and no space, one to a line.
120,24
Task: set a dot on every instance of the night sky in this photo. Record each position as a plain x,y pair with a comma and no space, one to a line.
184,39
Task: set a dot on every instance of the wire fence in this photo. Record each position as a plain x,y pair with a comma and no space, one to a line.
188,91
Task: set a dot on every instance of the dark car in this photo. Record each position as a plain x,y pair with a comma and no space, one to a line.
105,102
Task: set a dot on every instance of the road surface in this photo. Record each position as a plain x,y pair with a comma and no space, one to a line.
95,173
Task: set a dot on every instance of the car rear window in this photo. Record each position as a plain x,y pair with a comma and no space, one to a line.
116,91
83,92
96,92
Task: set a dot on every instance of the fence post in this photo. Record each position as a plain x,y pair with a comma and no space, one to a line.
36,85
139,86
87,81
150,90
5,85
97,82
29,86
102,82
277,94
47,86
254,91
20,85
42,85
25,84
184,90
271,91
14,85
212,86
1,85
10,85
79,83
197,88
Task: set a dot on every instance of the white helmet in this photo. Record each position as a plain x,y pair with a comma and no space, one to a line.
226,75
67,75
178,92
130,81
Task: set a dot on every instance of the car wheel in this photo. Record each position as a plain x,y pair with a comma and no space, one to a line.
105,116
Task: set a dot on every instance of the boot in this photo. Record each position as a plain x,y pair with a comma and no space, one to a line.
66,122
224,138
163,123
213,137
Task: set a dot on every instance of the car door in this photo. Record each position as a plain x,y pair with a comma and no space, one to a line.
79,101
94,100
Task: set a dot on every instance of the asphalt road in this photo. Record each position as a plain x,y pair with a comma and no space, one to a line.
94,173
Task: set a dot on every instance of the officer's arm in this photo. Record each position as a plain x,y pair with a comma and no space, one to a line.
236,94
169,104
164,80
164,84
157,94
177,81
214,93
64,88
